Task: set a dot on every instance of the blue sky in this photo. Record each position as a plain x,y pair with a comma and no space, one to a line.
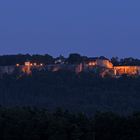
89,27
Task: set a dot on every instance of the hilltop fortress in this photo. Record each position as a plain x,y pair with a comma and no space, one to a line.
107,68
101,66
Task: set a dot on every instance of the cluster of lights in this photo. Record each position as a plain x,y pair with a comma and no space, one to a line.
92,64
30,64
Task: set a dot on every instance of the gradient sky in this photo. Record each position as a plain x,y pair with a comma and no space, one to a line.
89,27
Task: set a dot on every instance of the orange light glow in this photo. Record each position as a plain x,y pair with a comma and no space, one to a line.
27,63
17,65
130,70
91,64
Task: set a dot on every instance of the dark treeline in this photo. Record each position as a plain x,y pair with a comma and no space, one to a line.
125,61
71,59
14,59
40,124
84,92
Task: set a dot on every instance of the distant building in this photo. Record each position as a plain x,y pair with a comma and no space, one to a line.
98,65
64,67
128,70
104,63
28,67
107,68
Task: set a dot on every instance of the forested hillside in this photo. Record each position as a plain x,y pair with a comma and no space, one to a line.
84,92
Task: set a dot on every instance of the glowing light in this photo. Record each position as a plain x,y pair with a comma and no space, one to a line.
91,63
129,70
41,64
27,63
35,64
17,65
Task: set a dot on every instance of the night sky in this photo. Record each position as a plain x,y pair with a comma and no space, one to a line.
89,27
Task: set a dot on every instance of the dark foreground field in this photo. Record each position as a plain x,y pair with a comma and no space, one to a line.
40,124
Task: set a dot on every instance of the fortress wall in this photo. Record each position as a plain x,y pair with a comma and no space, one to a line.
7,69
130,70
26,69
104,63
100,63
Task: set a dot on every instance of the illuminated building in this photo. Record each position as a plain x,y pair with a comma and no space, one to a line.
128,70
98,65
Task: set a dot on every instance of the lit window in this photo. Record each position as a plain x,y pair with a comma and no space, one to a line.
91,63
27,63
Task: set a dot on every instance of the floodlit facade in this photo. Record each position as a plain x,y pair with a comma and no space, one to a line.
101,66
105,66
128,70
104,63
108,68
